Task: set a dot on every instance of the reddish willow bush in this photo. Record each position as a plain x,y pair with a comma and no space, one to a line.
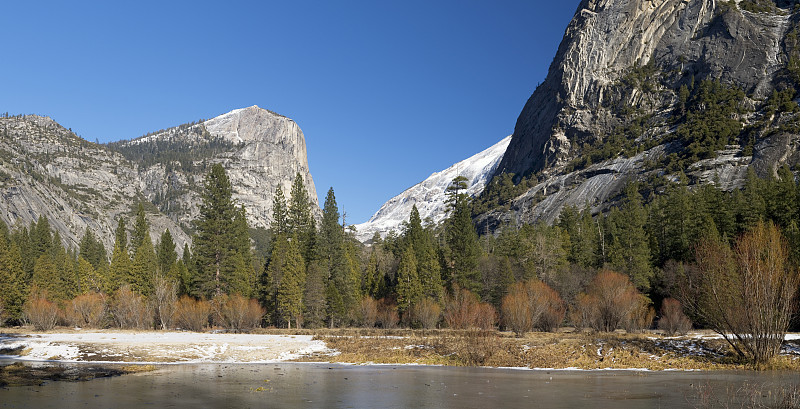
463,310
388,317
86,311
368,312
40,312
192,314
426,313
237,313
532,304
745,293
673,320
612,302
131,310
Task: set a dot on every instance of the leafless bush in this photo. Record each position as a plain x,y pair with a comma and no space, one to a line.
130,310
192,314
368,312
746,293
673,320
426,312
165,294
463,310
86,311
40,312
532,304
237,313
612,302
387,314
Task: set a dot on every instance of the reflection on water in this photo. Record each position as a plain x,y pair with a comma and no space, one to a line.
321,385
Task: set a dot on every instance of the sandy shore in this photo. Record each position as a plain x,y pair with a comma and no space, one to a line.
157,347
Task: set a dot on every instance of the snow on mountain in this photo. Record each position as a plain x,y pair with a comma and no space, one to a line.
429,195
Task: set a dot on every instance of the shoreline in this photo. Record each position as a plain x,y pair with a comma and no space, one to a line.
561,351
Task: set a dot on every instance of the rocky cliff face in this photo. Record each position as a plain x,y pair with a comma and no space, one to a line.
259,149
45,170
48,171
626,59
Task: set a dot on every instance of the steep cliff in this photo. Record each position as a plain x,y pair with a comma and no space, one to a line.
616,103
46,170
259,149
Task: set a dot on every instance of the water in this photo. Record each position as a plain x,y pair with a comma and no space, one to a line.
342,386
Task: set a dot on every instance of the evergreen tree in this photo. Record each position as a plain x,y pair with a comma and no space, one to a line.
280,223
288,264
628,243
120,268
89,280
331,236
13,283
314,302
215,243
143,268
165,253
409,288
121,234
463,249
46,278
300,221
42,237
141,229
93,251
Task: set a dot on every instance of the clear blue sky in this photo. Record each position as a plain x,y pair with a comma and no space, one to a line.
385,92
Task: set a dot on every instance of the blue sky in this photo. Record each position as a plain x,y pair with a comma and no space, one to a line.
385,92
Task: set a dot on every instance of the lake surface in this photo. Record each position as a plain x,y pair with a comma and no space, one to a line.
343,386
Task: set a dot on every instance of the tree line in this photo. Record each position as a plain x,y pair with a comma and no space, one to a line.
664,253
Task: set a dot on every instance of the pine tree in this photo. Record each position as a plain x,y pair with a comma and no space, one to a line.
300,222
629,250
121,234
314,302
46,277
331,236
280,223
215,244
120,268
165,252
143,268
461,239
141,229
409,289
13,285
41,237
93,251
428,267
89,280
290,289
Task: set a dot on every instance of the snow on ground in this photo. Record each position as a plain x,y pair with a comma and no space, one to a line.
158,347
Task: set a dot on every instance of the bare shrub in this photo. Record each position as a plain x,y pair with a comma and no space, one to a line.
426,312
388,317
532,304
746,294
192,314
237,313
40,312
131,310
463,310
86,311
673,320
368,312
165,294
612,302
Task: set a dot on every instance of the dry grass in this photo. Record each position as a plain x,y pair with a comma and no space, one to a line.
559,350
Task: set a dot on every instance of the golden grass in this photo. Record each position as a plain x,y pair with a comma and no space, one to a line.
534,350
